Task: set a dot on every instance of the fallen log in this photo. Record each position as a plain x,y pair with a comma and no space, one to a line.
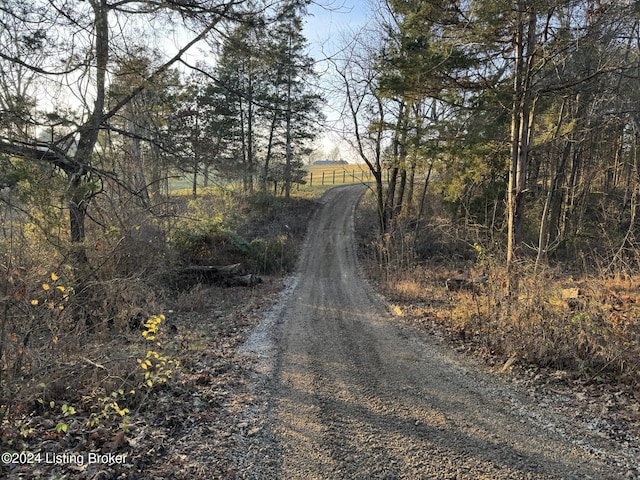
227,275
457,284
215,271
248,280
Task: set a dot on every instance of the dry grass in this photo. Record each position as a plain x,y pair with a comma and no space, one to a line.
588,325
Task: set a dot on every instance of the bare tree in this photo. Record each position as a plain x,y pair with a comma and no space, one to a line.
364,111
81,41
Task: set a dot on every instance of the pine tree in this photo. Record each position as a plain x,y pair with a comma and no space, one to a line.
295,108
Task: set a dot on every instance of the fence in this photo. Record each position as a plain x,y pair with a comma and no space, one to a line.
337,177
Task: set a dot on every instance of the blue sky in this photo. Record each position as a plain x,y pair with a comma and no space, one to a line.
328,19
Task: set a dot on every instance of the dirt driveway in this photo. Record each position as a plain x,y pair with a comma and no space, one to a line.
350,393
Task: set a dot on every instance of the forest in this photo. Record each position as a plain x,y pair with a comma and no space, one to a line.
139,137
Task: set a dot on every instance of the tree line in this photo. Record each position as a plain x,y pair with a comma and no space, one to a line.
522,115
525,112
102,100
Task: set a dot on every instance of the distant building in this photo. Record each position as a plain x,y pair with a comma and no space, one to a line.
330,162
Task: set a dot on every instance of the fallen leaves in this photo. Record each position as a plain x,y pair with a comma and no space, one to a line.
181,429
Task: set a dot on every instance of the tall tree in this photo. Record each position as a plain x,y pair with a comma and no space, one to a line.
83,38
262,98
525,46
138,131
295,108
238,88
365,109
420,68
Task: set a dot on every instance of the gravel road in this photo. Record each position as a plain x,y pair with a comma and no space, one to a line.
349,393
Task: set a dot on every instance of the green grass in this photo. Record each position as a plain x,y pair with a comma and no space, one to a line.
319,178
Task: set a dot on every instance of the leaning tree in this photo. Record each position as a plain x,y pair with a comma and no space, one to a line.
57,62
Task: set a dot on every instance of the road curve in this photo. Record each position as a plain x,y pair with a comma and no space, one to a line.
352,395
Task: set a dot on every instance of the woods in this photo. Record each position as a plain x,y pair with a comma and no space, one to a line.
522,115
501,138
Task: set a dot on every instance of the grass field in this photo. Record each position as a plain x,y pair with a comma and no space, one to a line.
319,177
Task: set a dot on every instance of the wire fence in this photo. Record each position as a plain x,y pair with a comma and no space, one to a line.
338,177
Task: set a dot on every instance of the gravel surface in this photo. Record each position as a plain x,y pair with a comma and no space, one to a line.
351,392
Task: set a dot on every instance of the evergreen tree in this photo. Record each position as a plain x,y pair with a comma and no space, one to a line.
294,108
262,105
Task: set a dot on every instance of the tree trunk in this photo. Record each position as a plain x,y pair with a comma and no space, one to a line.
521,126
288,152
79,191
401,192
390,198
425,187
139,180
267,159
411,186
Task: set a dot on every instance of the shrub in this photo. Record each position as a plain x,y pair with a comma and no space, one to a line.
273,255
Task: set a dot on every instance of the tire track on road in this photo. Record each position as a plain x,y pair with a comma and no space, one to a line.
352,396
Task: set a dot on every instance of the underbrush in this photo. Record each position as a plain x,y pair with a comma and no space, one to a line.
70,334
451,277
75,359
260,231
85,352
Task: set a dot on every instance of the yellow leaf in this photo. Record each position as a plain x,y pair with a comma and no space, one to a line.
149,383
61,288
34,301
45,286
143,365
54,277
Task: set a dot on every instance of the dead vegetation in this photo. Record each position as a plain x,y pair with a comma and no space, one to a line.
578,330
125,364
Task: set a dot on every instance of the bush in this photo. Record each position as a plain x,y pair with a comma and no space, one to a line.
273,255
264,238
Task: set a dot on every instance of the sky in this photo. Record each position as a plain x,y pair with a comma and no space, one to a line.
329,18
328,21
